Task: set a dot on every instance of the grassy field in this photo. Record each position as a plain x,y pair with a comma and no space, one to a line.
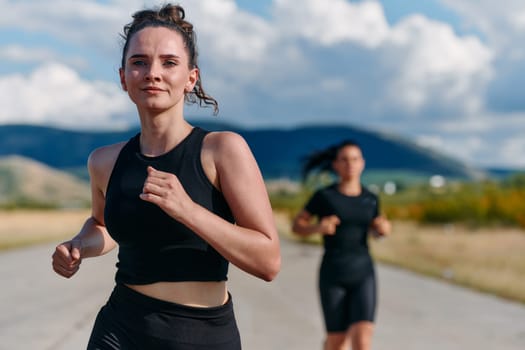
489,260
23,227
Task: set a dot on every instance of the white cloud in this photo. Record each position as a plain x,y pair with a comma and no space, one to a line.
486,140
485,122
417,66
438,69
19,54
230,34
502,25
75,23
338,50
459,148
34,56
512,151
501,22
55,94
333,21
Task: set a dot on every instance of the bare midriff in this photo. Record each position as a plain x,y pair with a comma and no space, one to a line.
196,294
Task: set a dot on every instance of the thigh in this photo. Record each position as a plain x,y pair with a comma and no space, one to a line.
363,300
334,303
106,334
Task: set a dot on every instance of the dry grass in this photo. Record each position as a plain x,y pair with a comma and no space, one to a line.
23,227
488,260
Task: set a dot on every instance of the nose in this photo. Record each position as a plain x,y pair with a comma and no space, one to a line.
153,72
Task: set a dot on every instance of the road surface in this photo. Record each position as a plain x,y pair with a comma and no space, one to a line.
42,311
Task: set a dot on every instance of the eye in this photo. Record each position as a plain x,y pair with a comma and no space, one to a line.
138,63
170,63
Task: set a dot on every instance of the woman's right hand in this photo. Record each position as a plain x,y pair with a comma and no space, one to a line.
67,258
328,225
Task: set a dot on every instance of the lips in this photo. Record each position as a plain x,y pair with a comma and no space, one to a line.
152,88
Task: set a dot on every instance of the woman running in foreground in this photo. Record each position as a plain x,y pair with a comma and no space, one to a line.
180,202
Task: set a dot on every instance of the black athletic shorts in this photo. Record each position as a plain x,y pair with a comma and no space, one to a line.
346,303
133,321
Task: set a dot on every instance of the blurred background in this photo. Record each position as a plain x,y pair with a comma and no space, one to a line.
431,89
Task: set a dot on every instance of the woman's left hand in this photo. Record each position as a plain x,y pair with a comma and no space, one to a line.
381,226
165,190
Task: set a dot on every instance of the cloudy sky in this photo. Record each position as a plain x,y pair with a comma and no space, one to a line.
447,74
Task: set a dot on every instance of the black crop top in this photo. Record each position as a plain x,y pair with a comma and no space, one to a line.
355,212
153,246
346,254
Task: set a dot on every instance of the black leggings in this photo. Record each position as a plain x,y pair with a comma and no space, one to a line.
133,321
346,303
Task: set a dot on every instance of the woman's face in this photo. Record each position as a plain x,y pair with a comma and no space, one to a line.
156,73
349,163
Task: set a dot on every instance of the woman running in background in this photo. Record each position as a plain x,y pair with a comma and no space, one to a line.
344,212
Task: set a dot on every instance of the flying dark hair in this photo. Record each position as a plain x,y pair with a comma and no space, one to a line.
171,17
322,160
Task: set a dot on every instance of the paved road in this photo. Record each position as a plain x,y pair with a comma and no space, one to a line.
40,311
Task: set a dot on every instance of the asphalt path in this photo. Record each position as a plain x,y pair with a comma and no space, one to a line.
40,310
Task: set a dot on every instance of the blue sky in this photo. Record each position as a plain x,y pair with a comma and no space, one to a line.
447,74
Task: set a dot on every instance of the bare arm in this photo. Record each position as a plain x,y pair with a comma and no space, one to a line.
381,226
304,225
252,243
93,238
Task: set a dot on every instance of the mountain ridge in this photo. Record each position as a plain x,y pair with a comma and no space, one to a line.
278,150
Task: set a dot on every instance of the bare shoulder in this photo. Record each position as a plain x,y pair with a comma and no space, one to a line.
226,144
226,157
101,162
224,138
104,156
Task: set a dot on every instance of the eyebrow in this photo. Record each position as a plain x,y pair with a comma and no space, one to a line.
162,56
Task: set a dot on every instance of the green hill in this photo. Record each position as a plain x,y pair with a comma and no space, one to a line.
27,183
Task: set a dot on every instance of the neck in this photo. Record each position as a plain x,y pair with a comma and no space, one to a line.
350,187
160,133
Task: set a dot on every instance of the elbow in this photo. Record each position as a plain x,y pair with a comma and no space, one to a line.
272,269
276,267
